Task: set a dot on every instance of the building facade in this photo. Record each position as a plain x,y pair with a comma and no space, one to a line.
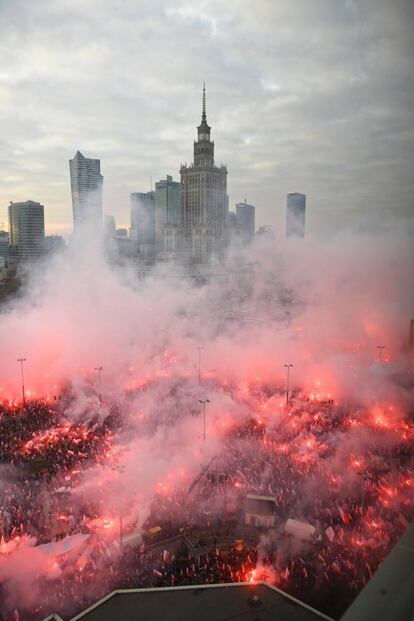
204,200
246,222
295,215
86,185
27,230
143,222
168,217
54,243
4,244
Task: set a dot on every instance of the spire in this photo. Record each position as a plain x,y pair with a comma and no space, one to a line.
204,116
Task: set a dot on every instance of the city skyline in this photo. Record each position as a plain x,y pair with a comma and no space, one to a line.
289,115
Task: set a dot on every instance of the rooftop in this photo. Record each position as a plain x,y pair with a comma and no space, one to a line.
215,602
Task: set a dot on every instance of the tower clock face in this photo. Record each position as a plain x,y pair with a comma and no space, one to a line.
203,136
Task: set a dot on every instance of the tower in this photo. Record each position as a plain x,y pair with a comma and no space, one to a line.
246,220
204,199
143,222
295,215
168,217
86,185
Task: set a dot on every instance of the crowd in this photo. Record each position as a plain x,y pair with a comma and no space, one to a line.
359,496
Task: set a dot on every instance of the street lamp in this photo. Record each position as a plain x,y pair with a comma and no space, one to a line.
199,362
120,470
22,361
99,369
365,477
204,402
380,349
288,367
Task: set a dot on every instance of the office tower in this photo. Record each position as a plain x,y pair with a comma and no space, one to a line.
295,215
168,216
4,244
27,229
204,199
246,220
109,227
143,222
86,184
233,229
54,243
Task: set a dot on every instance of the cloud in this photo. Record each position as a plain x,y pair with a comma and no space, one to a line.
309,97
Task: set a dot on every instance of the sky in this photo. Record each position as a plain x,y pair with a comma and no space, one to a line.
308,96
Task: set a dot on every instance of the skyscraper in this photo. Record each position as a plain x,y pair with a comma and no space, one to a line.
143,222
168,216
204,199
246,219
295,215
27,229
86,184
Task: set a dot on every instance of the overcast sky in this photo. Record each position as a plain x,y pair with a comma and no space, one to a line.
314,96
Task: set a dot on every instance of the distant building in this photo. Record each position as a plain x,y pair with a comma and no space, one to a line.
27,230
295,215
109,227
246,221
54,243
143,222
121,233
204,199
267,232
233,229
4,244
86,184
168,216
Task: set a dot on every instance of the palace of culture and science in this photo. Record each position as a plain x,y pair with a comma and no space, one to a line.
204,200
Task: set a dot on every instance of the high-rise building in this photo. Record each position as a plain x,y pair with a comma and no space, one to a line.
4,244
204,199
109,227
246,220
233,229
295,215
86,184
27,229
168,216
143,222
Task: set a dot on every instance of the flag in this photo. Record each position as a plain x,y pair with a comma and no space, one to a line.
345,517
330,533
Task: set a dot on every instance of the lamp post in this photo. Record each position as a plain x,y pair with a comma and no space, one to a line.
365,477
120,470
288,367
204,402
99,369
380,349
199,363
22,361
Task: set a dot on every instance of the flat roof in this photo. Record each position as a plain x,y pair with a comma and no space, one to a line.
212,602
